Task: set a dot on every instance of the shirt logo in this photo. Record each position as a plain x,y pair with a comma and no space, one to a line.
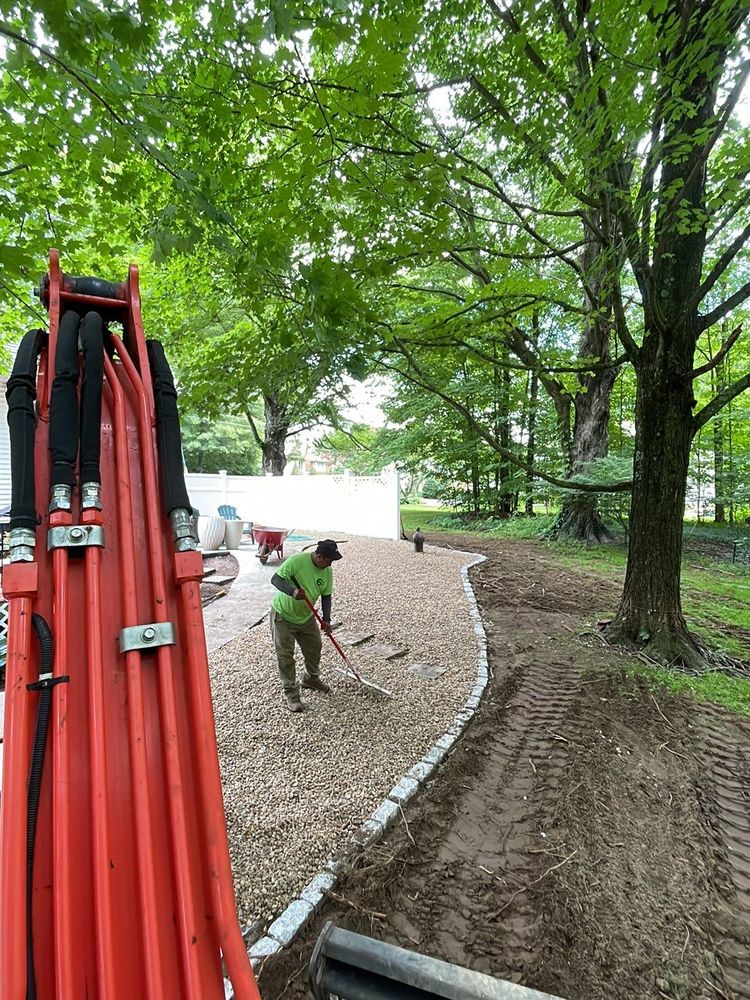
319,582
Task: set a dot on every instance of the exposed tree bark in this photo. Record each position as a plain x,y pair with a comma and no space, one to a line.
505,503
579,517
475,486
531,440
273,446
650,612
719,486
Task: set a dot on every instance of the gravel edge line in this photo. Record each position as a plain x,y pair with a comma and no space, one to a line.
292,920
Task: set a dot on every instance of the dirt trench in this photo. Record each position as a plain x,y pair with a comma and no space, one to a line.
584,838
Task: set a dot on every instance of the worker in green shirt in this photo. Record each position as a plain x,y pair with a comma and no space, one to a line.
303,574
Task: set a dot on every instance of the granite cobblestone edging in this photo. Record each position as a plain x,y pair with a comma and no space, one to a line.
293,919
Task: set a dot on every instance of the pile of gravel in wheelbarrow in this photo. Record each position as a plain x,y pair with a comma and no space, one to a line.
297,787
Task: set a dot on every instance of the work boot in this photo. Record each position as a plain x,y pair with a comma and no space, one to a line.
293,703
314,684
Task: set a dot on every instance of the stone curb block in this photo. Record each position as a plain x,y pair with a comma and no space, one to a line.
447,741
314,891
404,790
420,771
291,921
335,867
385,813
435,755
260,950
369,832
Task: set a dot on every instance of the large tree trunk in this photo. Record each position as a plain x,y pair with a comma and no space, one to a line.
650,613
719,511
273,446
504,502
531,441
579,517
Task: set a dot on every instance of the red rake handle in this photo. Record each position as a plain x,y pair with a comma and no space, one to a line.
328,632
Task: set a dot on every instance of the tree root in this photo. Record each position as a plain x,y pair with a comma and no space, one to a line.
676,649
583,526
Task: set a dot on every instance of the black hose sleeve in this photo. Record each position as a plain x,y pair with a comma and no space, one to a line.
325,606
92,347
93,286
46,643
21,394
63,410
46,647
168,437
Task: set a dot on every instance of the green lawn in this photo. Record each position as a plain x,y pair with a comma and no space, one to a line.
413,516
715,594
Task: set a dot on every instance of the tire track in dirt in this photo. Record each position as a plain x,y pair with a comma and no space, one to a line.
727,764
493,846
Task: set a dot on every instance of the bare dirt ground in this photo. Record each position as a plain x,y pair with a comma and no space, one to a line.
584,838
221,565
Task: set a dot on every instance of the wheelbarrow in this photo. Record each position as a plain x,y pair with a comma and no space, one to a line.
269,540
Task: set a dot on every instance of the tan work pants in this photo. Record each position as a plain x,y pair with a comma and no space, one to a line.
284,634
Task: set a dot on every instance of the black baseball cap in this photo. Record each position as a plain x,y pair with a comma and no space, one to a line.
328,549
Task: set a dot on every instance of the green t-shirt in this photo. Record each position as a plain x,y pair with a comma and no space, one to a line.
315,583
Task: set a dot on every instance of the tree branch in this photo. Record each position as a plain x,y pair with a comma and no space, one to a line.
12,170
632,349
719,401
565,484
704,322
725,348
496,104
716,271
258,440
509,20
431,291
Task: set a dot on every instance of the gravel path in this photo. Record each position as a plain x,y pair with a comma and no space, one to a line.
296,788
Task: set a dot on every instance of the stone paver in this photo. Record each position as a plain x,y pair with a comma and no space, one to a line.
348,638
385,650
427,670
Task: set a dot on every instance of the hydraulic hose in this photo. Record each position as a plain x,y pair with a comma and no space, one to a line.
21,394
63,417
93,286
174,492
44,686
92,347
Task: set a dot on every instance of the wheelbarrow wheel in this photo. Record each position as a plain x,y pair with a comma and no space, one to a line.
263,553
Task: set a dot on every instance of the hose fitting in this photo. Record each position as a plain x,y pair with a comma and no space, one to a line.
21,542
59,497
91,496
182,530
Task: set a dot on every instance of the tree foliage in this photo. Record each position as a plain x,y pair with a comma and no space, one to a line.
533,215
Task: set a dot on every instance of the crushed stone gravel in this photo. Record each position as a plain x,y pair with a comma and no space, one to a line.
297,787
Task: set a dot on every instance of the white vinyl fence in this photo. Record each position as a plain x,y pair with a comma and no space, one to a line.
353,505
